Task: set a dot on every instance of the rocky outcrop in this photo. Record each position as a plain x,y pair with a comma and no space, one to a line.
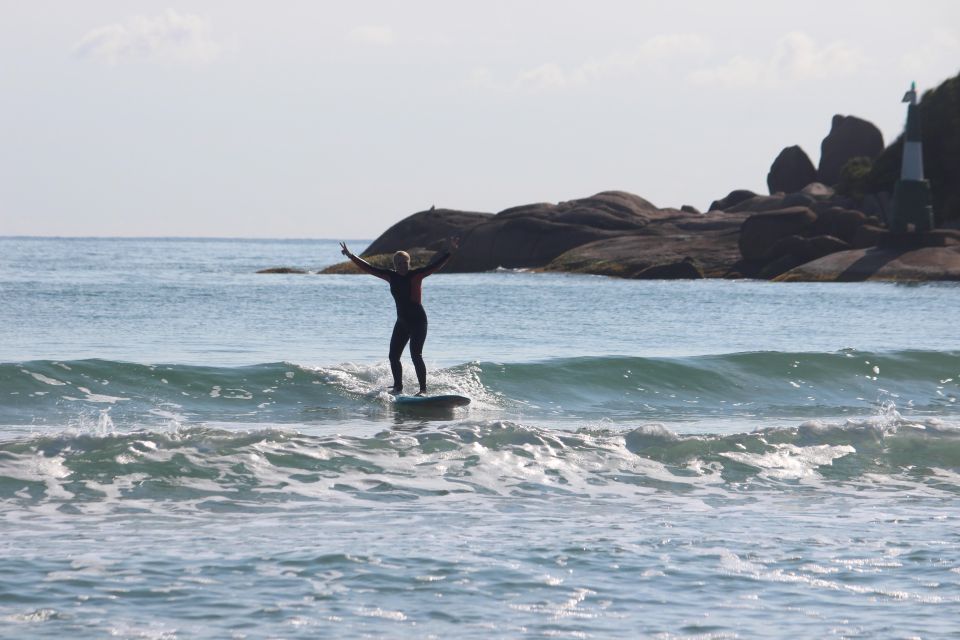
791,171
611,233
773,242
686,269
812,194
680,246
839,222
730,200
427,229
794,251
894,265
762,232
533,235
850,137
812,216
282,270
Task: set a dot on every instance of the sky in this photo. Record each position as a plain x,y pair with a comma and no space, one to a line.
310,119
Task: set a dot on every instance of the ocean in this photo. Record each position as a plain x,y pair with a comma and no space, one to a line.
189,449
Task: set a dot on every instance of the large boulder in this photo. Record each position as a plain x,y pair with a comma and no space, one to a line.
897,265
676,246
520,242
839,222
791,171
533,235
686,269
794,250
868,235
732,199
812,196
849,137
761,231
758,204
426,229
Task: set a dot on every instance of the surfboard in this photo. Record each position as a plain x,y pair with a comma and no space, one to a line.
431,402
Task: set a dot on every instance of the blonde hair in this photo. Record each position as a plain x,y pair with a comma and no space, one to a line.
401,254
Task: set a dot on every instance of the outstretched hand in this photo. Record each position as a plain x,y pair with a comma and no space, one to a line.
343,249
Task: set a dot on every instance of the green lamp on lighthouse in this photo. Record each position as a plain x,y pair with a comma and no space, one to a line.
911,194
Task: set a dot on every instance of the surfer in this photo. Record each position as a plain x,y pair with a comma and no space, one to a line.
411,325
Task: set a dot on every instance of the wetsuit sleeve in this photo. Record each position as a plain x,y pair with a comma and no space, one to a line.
369,268
434,265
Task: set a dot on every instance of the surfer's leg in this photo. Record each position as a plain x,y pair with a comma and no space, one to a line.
418,335
397,343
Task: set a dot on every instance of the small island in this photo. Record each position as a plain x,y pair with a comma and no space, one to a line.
866,212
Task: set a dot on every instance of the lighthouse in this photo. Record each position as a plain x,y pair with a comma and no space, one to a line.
911,194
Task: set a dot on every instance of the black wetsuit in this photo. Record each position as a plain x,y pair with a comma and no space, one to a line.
411,325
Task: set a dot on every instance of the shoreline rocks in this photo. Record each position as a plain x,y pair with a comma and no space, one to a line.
621,235
876,264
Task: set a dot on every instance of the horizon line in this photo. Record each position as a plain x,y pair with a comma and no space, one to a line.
275,239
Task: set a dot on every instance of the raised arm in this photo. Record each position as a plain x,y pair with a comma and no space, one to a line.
363,265
439,259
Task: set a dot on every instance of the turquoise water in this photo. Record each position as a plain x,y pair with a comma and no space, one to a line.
192,450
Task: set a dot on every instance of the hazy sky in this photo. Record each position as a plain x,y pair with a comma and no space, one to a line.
336,119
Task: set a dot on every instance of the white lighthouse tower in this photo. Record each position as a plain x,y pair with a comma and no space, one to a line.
911,195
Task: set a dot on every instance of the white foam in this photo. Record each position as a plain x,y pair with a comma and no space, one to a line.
44,379
377,612
790,461
100,398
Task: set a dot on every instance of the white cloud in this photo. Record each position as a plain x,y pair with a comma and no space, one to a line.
552,76
379,35
169,37
545,77
796,57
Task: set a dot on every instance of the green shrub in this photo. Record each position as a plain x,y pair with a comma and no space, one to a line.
854,177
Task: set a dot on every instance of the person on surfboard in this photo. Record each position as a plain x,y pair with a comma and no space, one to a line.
411,325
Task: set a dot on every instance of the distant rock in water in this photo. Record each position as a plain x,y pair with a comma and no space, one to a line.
791,171
850,137
282,270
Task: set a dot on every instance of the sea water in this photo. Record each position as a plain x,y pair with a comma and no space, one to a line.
189,449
